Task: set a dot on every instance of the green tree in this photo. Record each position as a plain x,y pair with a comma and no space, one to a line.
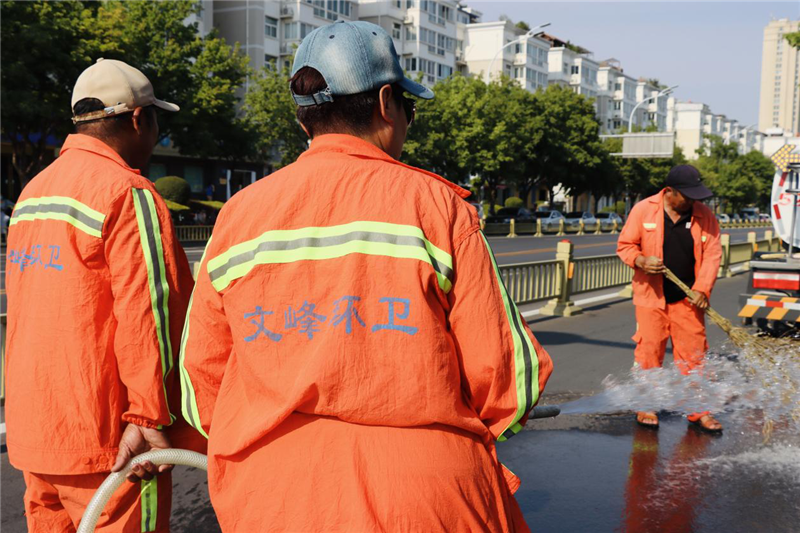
270,111
201,74
442,137
561,145
46,45
44,49
737,180
523,25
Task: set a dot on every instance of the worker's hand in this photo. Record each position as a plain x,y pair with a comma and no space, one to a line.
137,440
699,299
651,265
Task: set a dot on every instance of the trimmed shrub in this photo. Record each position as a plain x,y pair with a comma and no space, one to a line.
513,201
174,189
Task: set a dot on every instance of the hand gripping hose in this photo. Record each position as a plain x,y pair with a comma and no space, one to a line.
172,456
176,456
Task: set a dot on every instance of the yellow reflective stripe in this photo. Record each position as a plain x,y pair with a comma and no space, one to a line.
188,397
62,208
152,247
148,495
526,361
319,243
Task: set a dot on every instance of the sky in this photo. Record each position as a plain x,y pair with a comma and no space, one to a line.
711,49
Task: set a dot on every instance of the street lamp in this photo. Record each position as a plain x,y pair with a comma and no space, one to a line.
663,92
530,33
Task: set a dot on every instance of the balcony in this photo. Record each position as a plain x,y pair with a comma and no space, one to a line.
285,49
287,12
520,59
460,57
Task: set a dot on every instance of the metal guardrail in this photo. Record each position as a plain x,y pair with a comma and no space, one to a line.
193,233
599,272
530,282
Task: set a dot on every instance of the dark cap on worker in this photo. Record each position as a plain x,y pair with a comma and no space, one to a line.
353,57
687,180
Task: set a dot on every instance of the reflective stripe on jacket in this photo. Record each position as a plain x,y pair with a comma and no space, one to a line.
97,289
643,234
352,287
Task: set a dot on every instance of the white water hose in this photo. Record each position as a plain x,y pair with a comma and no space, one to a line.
172,456
176,456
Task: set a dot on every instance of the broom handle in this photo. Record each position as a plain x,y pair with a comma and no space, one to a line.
712,314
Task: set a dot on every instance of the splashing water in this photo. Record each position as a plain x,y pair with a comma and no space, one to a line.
729,381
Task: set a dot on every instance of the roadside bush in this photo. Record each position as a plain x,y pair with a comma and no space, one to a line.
513,201
174,189
618,208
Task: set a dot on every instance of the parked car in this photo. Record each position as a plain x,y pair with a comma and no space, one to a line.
550,219
722,218
607,221
504,216
763,217
572,221
749,217
736,218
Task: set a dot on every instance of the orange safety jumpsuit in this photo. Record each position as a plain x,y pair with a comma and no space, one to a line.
657,321
97,293
353,355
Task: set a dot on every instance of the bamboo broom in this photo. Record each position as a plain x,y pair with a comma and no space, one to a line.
739,336
758,349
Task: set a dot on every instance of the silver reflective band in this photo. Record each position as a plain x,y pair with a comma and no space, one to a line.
322,242
59,208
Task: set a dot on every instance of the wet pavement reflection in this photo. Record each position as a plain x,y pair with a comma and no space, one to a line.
606,473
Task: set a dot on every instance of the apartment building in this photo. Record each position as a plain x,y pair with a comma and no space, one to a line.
692,122
653,112
525,60
425,32
619,91
779,105
572,66
269,31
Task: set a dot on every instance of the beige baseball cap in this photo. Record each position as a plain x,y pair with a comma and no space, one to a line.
119,86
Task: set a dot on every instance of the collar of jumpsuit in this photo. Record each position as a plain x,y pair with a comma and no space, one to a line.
87,143
355,146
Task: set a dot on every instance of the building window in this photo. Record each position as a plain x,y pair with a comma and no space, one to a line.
411,33
194,175
305,29
397,30
411,64
398,4
157,170
575,69
444,71
271,27
270,61
290,30
617,86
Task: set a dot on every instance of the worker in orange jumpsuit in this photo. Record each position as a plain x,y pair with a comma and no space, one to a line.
97,292
674,229
351,352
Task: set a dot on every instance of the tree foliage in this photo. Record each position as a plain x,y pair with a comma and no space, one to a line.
270,112
736,180
46,45
174,189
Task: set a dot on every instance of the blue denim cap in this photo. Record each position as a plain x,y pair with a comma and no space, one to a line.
353,57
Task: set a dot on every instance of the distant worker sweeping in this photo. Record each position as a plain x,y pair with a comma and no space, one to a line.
674,229
351,351
97,290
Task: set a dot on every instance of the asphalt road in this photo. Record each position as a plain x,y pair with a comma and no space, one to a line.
588,473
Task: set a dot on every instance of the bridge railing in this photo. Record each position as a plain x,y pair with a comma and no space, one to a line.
531,282
556,281
193,233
